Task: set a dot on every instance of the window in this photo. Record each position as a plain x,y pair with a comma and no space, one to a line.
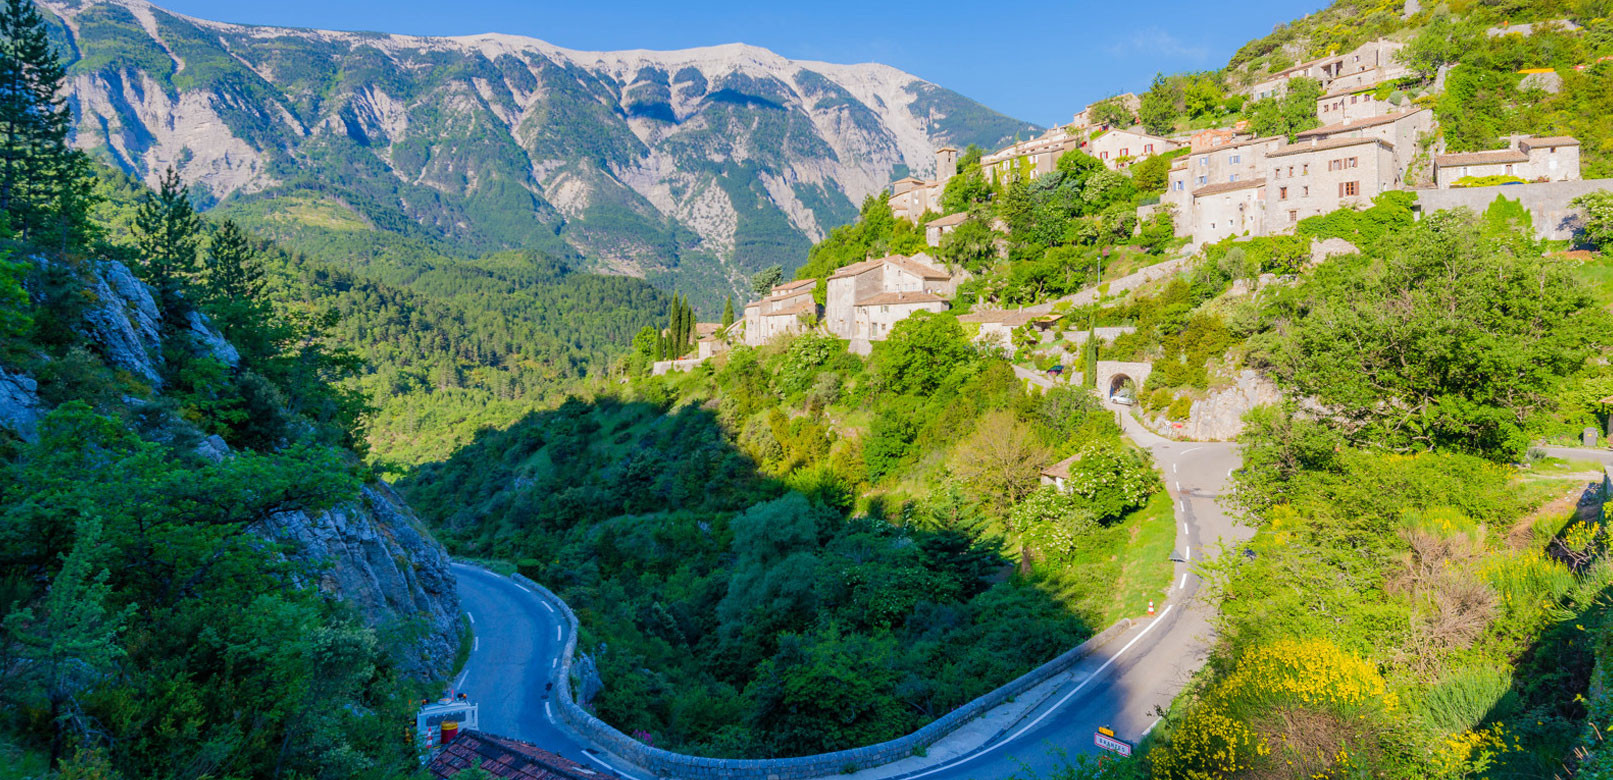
1334,165
1282,193
1305,169
1290,171
1204,180
1305,192
1293,216
1178,186
1353,162
1235,159
1148,148
1349,188
1204,161
1509,169
1352,100
1103,155
1125,152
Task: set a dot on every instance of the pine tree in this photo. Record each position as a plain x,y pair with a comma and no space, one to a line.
45,186
168,233
232,269
728,312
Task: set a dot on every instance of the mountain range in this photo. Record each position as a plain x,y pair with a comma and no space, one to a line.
690,168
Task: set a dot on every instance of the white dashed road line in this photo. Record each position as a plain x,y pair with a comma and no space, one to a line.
1077,689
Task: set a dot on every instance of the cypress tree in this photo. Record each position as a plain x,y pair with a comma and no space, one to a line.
728,312
232,269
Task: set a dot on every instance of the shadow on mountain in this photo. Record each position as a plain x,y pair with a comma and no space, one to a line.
736,613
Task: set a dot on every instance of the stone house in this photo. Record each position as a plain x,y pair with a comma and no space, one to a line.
1402,130
1058,475
921,284
782,311
1318,176
1549,158
911,197
1119,149
873,317
936,228
1350,104
1371,62
1229,209
997,327
1036,157
1240,160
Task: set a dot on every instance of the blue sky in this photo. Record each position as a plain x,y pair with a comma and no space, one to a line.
1035,61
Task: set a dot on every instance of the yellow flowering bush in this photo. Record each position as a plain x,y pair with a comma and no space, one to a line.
1217,740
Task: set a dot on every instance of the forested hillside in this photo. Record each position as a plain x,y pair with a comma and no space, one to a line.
178,600
801,550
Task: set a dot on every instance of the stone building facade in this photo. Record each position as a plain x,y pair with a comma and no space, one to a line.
1319,176
911,197
859,305
785,310
1550,158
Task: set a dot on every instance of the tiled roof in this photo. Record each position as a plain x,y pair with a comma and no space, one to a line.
1236,145
886,299
1491,157
917,268
1230,186
1331,143
856,269
1061,469
507,758
1354,90
800,308
1549,140
1344,127
949,220
793,285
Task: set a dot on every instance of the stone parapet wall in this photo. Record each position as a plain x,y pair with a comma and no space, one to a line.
677,766
1547,202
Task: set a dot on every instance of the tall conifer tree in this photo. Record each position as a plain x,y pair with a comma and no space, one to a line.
168,232
45,186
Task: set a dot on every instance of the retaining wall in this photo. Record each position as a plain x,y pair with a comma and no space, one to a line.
1547,202
677,766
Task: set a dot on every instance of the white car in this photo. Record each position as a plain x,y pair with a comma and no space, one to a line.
1123,397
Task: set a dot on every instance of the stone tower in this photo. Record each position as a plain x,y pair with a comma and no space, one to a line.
946,163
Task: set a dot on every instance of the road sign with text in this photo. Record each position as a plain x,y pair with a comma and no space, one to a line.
1111,744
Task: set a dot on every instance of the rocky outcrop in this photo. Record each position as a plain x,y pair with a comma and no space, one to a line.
369,553
19,404
124,322
372,555
1219,415
211,340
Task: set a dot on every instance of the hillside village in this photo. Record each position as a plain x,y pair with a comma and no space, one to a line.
1372,127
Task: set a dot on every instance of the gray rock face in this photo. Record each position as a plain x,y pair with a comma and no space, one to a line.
213,341
373,556
1219,415
124,322
19,404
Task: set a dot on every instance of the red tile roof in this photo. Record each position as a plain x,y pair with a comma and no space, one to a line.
1229,186
1358,124
949,220
508,758
1491,157
1549,140
1331,143
889,298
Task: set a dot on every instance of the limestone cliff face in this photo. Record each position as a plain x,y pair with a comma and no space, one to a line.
378,559
371,553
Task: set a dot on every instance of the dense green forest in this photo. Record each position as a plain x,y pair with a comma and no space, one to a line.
150,629
797,549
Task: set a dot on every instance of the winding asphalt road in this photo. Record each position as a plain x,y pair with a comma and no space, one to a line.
519,637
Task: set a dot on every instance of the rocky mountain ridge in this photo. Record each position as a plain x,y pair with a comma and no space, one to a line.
699,164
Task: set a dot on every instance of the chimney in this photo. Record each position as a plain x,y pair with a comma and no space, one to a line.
946,163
